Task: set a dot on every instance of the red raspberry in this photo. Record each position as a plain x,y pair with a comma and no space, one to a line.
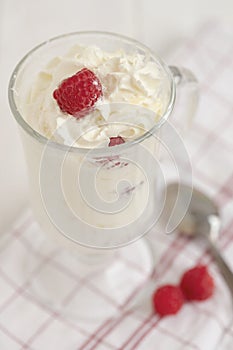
197,283
76,95
168,300
115,141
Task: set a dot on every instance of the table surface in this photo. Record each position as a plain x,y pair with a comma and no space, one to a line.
26,23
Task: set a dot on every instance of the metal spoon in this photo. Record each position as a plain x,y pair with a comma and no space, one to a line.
196,215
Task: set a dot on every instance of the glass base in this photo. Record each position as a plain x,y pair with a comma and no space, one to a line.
97,287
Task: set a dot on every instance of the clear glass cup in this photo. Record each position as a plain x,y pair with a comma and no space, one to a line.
95,200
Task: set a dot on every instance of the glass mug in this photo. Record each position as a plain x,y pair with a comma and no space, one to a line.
76,209
102,197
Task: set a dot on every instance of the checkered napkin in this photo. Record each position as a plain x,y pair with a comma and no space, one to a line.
26,323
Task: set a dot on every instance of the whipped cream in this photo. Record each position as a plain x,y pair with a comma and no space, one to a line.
135,96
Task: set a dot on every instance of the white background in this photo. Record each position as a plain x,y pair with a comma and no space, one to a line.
24,23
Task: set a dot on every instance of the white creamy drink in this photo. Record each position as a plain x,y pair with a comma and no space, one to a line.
99,180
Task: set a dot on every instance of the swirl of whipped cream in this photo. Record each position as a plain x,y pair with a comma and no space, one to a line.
135,96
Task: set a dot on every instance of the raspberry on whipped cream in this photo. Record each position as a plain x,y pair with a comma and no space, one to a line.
77,94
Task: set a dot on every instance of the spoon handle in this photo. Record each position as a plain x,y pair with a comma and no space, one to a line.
222,265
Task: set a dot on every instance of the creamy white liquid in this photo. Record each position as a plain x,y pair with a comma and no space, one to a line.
135,96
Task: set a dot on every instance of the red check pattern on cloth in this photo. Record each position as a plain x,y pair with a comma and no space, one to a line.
25,323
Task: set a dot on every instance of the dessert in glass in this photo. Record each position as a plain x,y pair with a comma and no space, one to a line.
91,107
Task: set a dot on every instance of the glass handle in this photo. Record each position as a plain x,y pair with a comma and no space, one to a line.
187,98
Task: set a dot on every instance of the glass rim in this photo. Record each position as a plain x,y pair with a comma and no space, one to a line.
44,140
